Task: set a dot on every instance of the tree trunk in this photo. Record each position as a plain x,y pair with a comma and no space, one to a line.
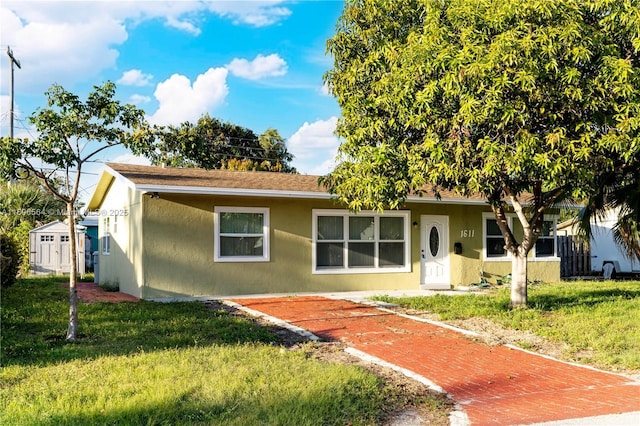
73,276
518,280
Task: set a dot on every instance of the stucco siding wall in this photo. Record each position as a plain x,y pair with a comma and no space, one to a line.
464,267
179,252
537,270
466,228
178,257
122,266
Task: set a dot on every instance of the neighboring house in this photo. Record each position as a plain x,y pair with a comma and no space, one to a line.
602,246
168,232
50,251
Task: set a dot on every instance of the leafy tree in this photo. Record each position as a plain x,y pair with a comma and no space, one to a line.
275,151
70,134
212,144
521,101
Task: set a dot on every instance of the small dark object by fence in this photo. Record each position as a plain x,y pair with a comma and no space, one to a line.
575,257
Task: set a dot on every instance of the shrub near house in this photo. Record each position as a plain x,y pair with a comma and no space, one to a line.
9,260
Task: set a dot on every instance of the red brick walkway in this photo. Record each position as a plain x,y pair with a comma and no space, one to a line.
92,292
494,385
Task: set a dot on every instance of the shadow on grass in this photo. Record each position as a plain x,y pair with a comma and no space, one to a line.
355,406
34,319
585,298
545,298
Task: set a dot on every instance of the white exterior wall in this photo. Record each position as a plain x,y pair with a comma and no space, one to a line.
604,248
121,265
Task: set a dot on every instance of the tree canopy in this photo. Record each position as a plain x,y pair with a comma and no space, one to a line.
212,144
494,97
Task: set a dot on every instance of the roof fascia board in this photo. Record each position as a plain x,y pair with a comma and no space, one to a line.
464,201
272,193
199,190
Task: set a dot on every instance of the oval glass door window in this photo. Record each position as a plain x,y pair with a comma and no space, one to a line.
434,241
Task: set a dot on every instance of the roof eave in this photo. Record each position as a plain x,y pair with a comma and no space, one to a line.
247,192
272,193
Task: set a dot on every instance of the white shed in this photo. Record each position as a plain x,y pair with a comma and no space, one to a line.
50,251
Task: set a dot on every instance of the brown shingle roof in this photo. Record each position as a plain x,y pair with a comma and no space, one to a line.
199,178
155,178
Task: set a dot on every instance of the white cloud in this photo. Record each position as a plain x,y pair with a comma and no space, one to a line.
54,49
135,78
315,146
63,42
181,101
255,13
262,66
185,26
324,90
137,99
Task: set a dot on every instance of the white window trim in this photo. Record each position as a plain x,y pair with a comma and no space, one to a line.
265,234
345,214
532,253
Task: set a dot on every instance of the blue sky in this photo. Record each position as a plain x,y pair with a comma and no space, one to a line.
258,64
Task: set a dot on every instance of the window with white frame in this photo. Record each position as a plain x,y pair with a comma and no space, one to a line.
494,241
241,234
106,235
546,243
358,243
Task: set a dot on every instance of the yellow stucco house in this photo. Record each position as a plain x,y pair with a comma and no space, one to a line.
169,232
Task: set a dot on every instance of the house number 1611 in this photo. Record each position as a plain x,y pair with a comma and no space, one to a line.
467,233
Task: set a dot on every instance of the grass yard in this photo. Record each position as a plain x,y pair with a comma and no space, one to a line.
598,321
154,363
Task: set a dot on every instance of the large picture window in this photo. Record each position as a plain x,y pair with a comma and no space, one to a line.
366,242
242,234
545,246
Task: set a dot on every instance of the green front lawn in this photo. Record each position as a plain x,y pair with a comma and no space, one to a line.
155,363
599,321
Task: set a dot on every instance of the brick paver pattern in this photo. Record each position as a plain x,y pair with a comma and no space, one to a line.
493,384
92,292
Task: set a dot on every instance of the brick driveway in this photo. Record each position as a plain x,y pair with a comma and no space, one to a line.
493,384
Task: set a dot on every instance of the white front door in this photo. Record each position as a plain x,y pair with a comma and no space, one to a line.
434,252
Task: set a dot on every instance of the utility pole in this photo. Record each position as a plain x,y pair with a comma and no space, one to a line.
13,61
